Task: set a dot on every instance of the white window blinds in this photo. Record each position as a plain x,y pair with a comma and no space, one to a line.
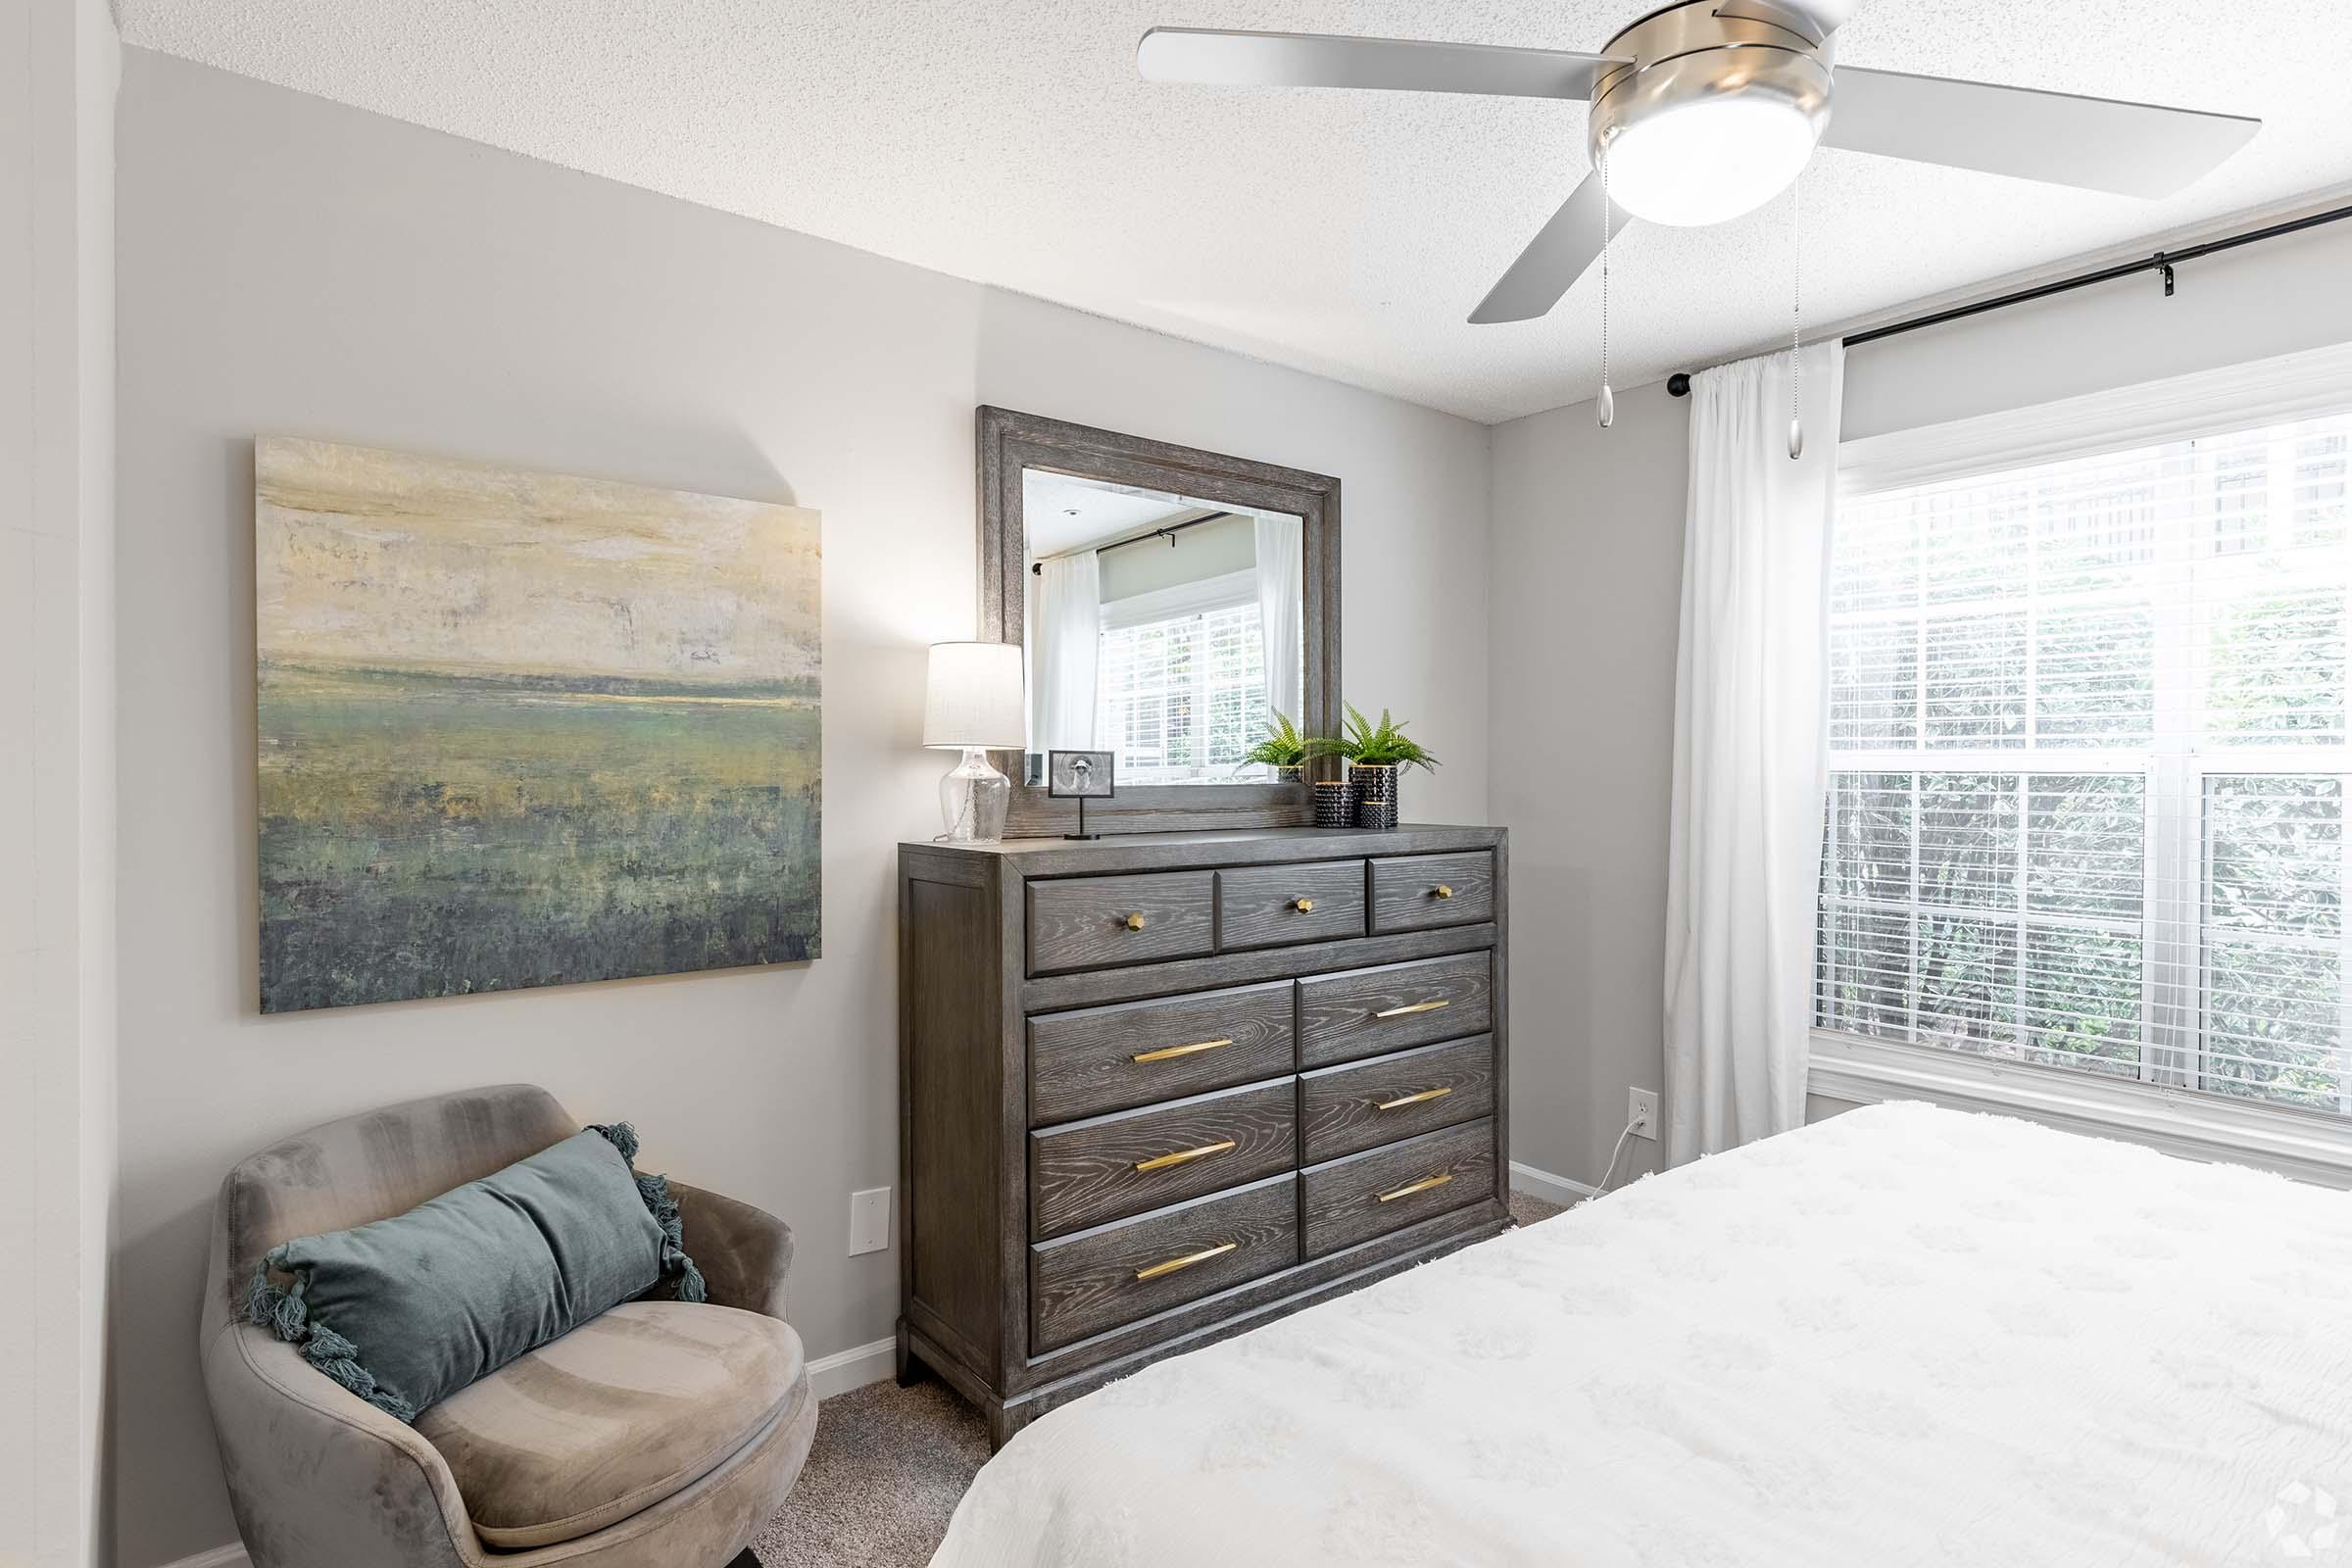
2087,741
1183,685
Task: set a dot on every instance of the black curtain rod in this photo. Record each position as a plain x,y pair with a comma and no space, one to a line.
1037,569
2162,261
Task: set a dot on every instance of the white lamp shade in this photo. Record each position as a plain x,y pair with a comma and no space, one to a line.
974,696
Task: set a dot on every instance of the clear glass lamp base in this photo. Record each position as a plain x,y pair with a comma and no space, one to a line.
973,799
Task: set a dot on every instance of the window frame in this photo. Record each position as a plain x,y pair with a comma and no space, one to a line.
2154,1109
1191,600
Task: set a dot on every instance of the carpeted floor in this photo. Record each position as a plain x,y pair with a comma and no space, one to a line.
889,1466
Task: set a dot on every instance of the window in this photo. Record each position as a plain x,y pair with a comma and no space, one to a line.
2088,756
1182,686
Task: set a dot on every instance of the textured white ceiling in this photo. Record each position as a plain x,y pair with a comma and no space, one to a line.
1347,233
1063,511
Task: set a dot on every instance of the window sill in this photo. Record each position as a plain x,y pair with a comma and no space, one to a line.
2303,1144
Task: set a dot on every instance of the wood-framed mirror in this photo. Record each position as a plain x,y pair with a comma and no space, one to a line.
1159,592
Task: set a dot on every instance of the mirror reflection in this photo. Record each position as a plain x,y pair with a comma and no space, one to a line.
1166,629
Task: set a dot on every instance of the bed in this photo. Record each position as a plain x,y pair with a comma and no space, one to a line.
1901,1336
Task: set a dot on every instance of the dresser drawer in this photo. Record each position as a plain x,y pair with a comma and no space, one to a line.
1114,1166
1418,892
1100,1278
1344,1109
1387,1189
1364,1012
1086,923
1268,905
1095,1059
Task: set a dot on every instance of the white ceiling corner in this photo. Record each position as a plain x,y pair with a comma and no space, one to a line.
1342,233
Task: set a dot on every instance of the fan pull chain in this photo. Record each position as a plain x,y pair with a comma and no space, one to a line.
1796,312
1605,406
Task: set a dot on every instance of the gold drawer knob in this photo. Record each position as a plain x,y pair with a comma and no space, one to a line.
1183,1156
1443,891
1175,1263
1304,906
1193,1049
1412,1007
1134,922
1421,1186
1412,1099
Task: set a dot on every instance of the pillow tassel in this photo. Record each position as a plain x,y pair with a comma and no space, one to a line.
687,1283
288,1316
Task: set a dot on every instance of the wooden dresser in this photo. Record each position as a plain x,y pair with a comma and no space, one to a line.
1158,1089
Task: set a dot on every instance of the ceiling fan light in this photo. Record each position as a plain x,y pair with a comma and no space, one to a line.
1709,160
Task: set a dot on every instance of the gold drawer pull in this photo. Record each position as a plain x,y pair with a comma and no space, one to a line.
1415,1006
1166,1052
1421,1186
1304,906
1443,891
1134,922
1412,1099
1183,1155
1175,1263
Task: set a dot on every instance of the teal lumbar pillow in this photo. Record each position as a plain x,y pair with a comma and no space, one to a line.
407,1310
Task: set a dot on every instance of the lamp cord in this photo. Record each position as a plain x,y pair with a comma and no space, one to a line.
1606,1176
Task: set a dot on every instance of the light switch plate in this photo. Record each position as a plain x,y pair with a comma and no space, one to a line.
870,1220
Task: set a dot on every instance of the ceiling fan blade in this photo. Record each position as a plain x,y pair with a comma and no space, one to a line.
1814,19
1562,249
2095,143
1310,60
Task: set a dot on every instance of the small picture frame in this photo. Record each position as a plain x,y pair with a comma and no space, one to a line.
1081,776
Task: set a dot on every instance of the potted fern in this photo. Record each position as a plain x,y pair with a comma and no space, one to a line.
1375,754
1283,750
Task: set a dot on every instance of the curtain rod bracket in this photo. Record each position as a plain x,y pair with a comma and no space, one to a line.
2165,267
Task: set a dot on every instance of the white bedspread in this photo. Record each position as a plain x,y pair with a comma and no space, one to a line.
1903,1336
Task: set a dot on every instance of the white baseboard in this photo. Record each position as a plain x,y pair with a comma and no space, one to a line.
853,1368
232,1555
1545,1185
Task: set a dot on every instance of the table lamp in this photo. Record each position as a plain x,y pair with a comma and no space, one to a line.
972,703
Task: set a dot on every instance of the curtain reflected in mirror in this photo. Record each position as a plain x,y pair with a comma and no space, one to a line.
1162,627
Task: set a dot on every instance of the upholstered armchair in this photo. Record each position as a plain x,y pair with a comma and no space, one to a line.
661,1435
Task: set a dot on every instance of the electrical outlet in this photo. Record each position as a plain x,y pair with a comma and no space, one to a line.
1642,1112
870,1220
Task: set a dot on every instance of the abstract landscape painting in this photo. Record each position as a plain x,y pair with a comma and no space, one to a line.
518,729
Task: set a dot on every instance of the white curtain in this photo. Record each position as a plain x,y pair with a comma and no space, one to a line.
1749,753
1066,644
1281,612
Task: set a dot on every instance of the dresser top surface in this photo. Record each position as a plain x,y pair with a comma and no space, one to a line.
1144,851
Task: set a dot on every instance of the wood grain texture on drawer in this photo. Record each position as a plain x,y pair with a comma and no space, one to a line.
1420,892
1270,905
1109,1167
1095,1060
1363,1012
1086,922
1114,1274
1365,1103
1387,1189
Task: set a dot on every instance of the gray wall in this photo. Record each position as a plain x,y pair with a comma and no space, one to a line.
1587,583
290,266
1587,560
1212,550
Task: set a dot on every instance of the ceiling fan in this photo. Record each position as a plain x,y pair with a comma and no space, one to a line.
1707,109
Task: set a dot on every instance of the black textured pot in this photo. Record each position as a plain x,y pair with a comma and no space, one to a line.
1334,802
1296,774
1375,794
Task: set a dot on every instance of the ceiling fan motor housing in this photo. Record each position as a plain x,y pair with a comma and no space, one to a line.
1688,56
